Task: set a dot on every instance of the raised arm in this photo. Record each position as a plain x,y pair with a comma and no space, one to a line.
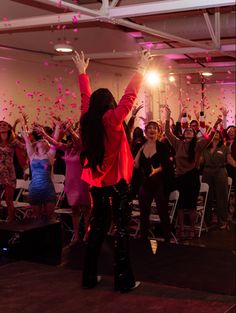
169,135
131,121
28,144
74,135
204,142
85,90
118,115
40,130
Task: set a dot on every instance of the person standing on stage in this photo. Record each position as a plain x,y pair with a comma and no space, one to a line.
108,166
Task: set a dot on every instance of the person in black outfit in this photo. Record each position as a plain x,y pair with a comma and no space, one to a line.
156,174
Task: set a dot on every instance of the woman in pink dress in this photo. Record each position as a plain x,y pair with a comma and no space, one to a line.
77,191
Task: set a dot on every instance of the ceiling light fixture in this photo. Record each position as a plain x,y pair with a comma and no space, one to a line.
206,74
63,47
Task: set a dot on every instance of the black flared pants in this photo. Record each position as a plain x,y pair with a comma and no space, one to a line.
106,198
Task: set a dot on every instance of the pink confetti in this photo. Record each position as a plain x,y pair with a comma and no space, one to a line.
59,87
75,30
17,82
67,92
74,19
73,105
30,94
73,95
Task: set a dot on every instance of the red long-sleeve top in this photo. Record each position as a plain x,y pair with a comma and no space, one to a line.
118,161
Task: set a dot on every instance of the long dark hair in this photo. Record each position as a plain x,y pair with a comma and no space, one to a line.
192,146
92,129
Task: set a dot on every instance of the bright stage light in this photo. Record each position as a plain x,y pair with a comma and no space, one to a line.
152,78
171,79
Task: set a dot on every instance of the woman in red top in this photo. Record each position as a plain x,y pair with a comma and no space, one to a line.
108,166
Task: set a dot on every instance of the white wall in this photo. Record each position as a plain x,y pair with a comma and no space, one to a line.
34,84
217,96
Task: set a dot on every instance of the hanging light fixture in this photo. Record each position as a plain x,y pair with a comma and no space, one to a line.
206,74
63,48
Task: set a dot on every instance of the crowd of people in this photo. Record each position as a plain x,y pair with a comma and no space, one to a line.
108,162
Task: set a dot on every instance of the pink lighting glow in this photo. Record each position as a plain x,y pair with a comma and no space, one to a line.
135,34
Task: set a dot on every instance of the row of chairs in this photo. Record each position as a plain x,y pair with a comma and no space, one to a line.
23,208
173,201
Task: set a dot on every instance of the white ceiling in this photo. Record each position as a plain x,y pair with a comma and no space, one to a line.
189,35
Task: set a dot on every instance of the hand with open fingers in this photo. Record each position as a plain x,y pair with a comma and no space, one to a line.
145,120
80,62
25,117
218,121
39,129
145,59
136,109
68,127
167,112
154,170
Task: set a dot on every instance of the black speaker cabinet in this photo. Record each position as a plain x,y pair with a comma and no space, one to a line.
37,241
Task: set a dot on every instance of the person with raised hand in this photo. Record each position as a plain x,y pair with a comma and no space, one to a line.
8,145
77,191
42,195
188,151
108,166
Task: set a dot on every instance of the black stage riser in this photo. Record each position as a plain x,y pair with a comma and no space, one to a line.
34,241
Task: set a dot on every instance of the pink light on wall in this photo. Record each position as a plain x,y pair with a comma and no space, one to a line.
135,34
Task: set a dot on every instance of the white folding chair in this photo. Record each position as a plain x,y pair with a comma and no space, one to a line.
153,218
230,181
59,189
23,209
135,219
201,207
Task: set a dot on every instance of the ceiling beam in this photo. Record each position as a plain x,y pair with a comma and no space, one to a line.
68,18
114,3
161,7
73,7
210,28
42,6
154,52
97,16
145,8
108,17
158,33
217,26
38,21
